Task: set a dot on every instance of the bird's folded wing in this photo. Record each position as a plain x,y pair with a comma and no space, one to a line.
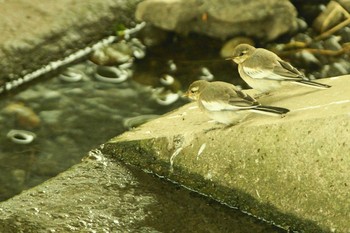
287,70
232,105
277,73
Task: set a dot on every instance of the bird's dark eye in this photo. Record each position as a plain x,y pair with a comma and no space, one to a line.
194,90
242,53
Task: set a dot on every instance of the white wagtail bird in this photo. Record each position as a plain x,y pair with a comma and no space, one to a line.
224,103
264,71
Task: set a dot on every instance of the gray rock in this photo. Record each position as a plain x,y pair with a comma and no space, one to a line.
308,58
266,19
152,36
345,34
332,43
302,37
41,32
335,69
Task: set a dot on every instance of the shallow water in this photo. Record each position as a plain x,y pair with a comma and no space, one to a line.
69,119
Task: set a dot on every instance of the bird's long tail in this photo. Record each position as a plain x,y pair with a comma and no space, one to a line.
270,110
312,84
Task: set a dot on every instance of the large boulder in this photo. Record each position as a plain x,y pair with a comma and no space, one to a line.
264,19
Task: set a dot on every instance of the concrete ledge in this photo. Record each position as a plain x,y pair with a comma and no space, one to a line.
293,171
34,33
101,195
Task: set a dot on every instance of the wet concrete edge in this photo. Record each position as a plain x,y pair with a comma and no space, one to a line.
141,153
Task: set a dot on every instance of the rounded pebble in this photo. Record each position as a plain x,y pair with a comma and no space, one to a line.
168,99
21,136
333,43
111,74
71,75
167,80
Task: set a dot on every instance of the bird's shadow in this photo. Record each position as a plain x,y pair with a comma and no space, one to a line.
281,97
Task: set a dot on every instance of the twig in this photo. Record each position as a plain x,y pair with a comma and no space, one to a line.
346,48
333,29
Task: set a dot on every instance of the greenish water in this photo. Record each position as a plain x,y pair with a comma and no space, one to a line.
69,119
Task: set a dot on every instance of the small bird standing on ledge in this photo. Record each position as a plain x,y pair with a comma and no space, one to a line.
224,103
264,71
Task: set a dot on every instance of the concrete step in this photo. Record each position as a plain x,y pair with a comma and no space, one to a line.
293,171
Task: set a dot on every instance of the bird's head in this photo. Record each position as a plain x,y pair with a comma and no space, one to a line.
241,53
195,89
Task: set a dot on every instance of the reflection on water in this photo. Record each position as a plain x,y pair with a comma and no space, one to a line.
68,117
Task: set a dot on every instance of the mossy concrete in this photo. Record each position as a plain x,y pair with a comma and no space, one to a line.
293,171
34,33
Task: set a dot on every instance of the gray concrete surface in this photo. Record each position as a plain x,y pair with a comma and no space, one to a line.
101,195
293,171
34,33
